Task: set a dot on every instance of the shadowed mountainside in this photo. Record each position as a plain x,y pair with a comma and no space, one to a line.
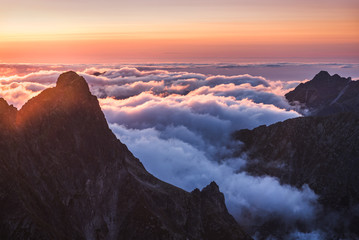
64,175
325,95
321,151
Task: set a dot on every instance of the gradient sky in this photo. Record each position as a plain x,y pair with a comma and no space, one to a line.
190,31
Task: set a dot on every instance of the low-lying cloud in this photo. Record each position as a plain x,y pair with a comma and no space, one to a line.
179,124
252,200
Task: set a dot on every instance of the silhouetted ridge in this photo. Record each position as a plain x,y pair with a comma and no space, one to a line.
72,80
7,114
64,175
212,187
321,75
325,95
3,105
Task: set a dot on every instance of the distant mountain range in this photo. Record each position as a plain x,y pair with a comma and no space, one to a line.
320,150
64,175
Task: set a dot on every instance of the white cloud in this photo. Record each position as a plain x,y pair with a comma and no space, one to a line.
179,125
189,167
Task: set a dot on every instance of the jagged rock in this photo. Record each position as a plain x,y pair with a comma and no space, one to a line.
7,113
64,175
325,95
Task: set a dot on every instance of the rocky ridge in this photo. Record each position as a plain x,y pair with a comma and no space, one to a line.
325,95
64,175
321,151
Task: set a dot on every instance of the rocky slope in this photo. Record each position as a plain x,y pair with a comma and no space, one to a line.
325,95
64,175
322,152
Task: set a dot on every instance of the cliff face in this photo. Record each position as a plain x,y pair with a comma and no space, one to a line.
325,95
64,175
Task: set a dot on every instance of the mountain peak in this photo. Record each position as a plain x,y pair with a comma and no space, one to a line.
325,94
211,192
71,96
73,80
3,104
71,178
322,74
7,112
212,187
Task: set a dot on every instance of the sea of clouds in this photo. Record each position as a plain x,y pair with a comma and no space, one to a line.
178,121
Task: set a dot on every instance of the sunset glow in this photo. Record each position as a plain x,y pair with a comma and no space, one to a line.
204,31
179,119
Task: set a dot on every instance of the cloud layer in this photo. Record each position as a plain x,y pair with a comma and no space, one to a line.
178,123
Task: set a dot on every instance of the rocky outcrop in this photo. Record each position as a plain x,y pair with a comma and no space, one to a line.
64,175
325,95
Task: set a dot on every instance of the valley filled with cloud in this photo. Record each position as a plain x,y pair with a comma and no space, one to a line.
178,121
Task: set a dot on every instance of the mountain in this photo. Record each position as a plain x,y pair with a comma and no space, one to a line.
325,95
321,151
64,175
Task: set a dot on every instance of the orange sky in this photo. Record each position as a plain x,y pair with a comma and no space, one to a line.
158,30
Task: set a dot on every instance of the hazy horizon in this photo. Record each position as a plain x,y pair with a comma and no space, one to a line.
201,31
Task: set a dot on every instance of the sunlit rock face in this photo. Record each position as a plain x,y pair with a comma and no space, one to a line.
64,175
325,95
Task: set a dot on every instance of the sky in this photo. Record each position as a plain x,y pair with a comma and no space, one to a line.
178,31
